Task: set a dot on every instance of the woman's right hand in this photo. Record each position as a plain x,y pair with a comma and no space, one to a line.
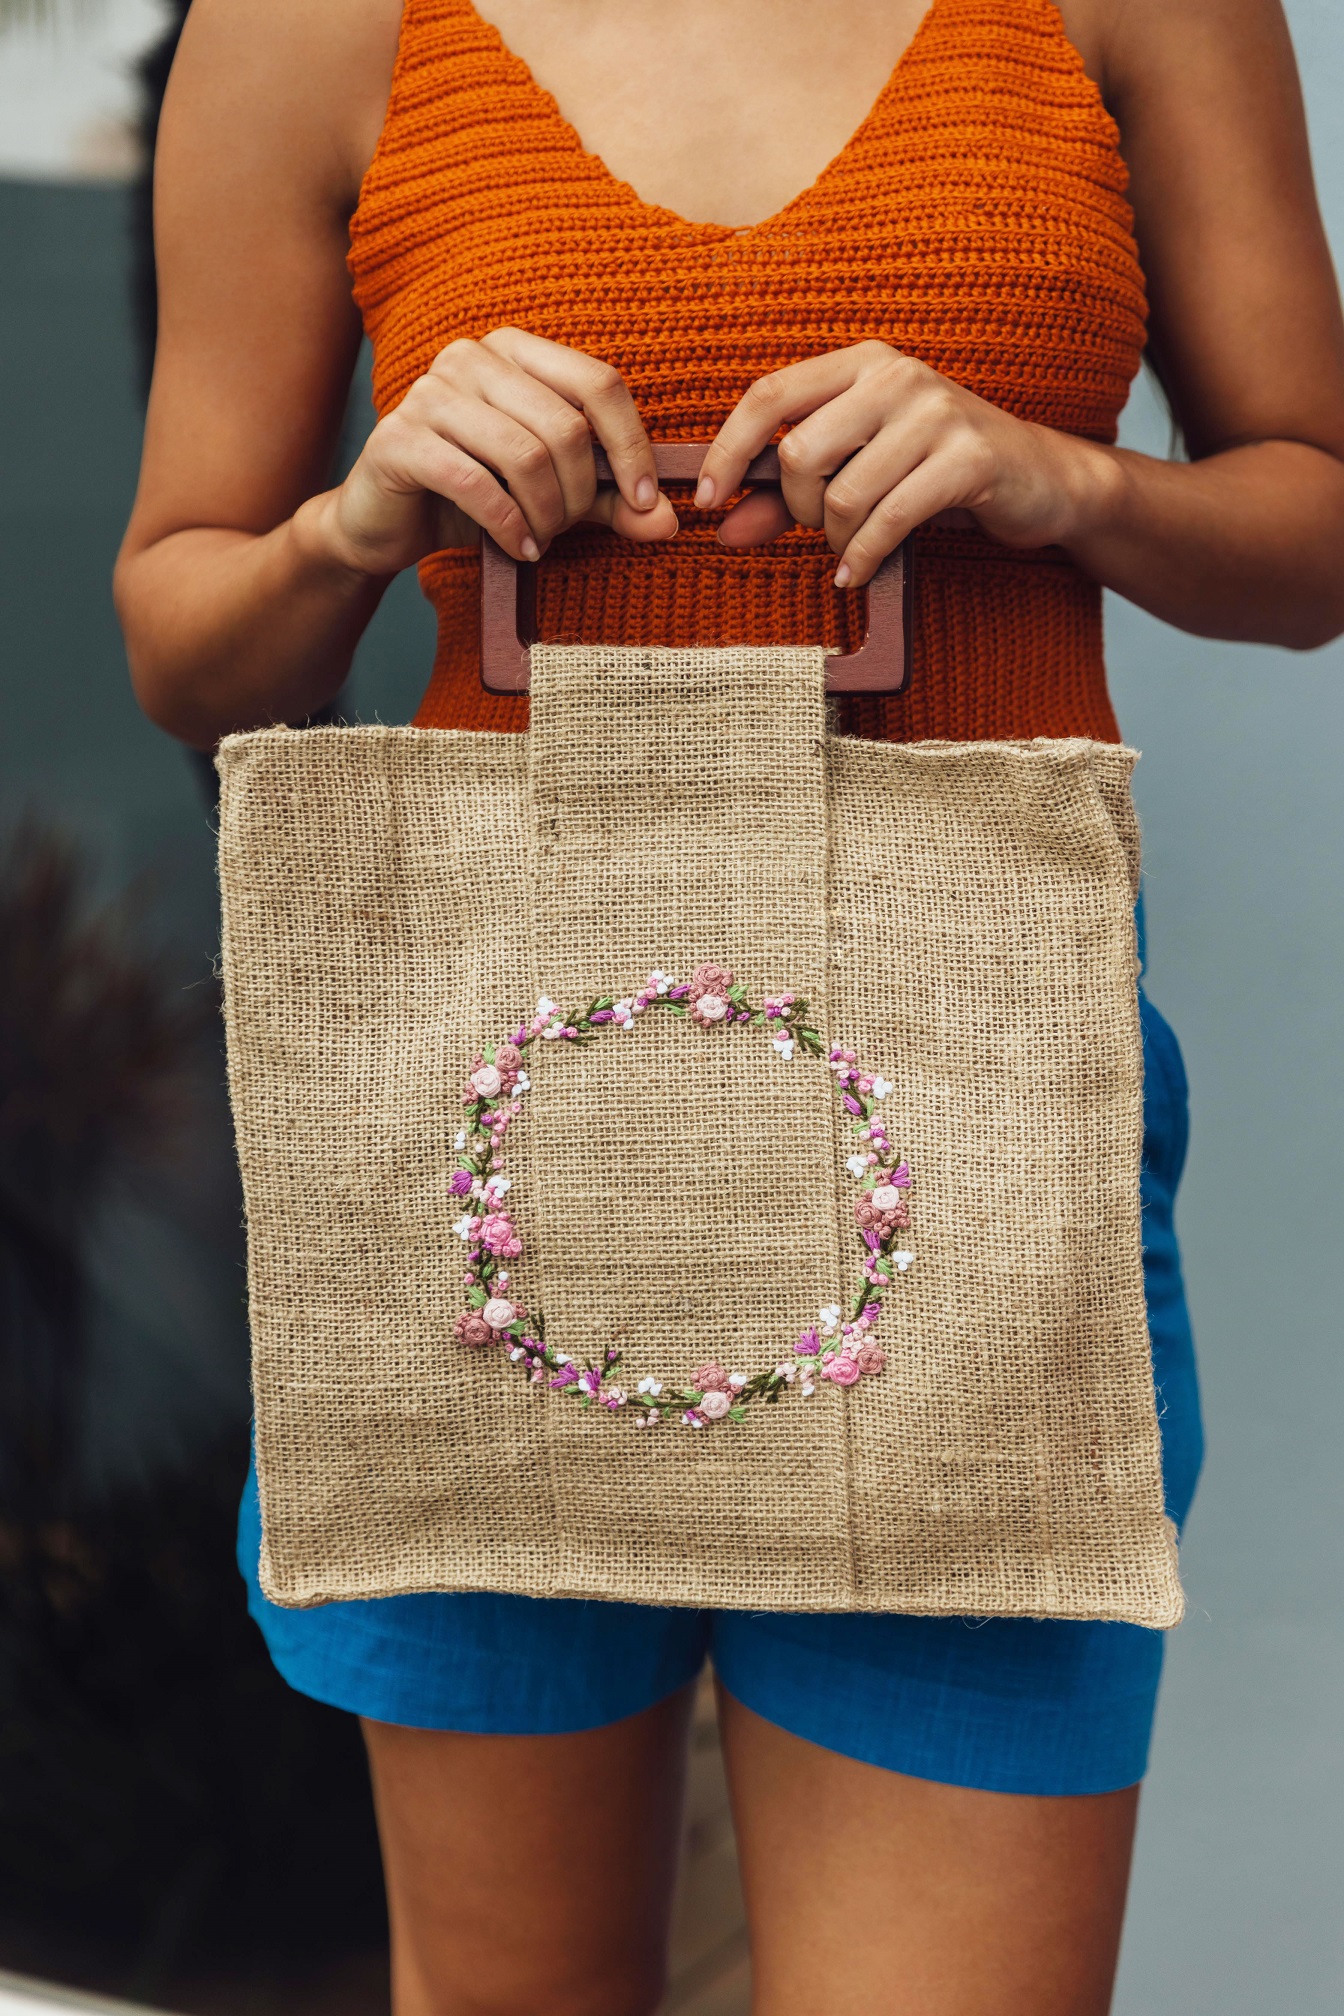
497,433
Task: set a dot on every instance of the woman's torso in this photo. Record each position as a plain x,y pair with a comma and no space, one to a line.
975,218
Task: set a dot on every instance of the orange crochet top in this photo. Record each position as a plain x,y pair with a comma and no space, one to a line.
976,219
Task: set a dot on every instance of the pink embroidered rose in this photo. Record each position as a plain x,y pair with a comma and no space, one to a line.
508,1057
870,1358
472,1329
887,1197
709,979
710,1378
715,1405
486,1082
844,1370
498,1313
707,995
499,1236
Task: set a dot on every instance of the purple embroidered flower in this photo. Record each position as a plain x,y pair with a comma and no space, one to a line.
900,1176
710,1378
472,1329
590,1383
851,1105
566,1376
870,1357
808,1345
844,1370
459,1183
600,1015
715,1405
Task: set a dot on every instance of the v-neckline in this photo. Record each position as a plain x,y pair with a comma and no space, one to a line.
735,233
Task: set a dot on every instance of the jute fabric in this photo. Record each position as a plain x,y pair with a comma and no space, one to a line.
960,914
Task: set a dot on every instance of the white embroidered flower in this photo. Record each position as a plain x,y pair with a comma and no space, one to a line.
881,1087
546,1008
498,1186
784,1045
807,1389
560,1358
830,1317
660,981
552,1030
856,1164
654,1386
737,1380
623,1014
461,1140
901,1260
516,1353
463,1227
522,1083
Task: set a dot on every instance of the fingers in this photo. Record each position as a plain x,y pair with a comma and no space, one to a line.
891,520
599,392
410,456
771,403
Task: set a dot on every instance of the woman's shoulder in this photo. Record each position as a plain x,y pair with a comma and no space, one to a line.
306,78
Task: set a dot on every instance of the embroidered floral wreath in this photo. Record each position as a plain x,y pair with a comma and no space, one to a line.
839,1347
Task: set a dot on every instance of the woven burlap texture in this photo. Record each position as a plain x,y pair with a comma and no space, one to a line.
959,913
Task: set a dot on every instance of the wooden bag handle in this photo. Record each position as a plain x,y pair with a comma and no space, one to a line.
509,597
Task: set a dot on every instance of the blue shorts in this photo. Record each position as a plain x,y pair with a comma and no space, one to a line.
1001,1704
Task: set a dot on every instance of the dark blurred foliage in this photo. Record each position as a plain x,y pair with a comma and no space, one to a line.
165,1800
97,1052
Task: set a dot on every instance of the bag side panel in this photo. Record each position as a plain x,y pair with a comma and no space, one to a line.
375,912
1008,1461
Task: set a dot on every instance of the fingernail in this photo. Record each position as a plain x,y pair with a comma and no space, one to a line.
646,493
704,493
842,575
530,549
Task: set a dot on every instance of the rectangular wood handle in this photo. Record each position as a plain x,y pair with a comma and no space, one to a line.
509,597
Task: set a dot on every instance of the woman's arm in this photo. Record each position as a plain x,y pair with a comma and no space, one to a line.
1246,540
244,582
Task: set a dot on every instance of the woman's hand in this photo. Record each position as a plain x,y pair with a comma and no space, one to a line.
879,444
497,433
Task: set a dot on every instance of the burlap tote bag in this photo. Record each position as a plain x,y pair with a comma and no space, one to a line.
692,1157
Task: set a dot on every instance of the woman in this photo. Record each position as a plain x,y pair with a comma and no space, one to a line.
579,218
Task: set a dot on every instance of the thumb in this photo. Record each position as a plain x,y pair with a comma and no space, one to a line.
760,517
611,509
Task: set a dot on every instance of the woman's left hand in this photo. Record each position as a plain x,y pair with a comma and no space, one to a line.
879,443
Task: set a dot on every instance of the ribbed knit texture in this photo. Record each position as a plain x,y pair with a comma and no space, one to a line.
976,219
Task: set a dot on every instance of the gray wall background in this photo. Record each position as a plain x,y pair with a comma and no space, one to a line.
1236,1897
